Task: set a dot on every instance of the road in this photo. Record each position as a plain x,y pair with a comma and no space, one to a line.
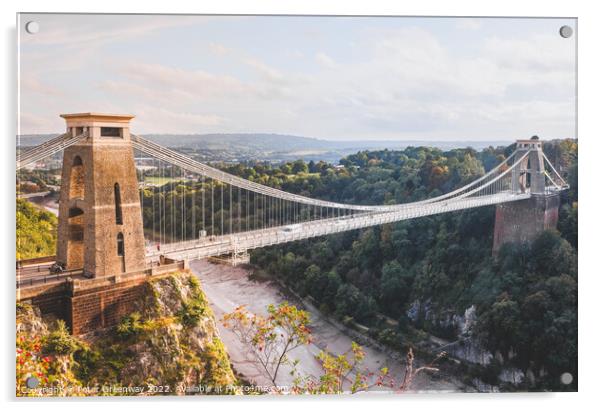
258,238
47,202
33,195
40,274
227,287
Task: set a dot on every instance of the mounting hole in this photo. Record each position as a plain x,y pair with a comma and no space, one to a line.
32,382
566,31
566,378
32,27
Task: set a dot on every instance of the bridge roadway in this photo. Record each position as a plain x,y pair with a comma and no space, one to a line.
240,242
243,241
33,195
31,276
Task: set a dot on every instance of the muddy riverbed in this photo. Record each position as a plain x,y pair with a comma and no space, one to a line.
227,287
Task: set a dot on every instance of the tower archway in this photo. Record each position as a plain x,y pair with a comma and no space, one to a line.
75,239
77,188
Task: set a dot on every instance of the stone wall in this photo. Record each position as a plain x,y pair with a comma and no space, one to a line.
51,299
521,221
114,163
87,305
91,171
69,251
103,306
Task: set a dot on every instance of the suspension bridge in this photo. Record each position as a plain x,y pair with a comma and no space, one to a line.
128,203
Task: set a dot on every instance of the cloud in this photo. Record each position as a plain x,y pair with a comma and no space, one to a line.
32,85
77,30
150,119
535,53
264,70
30,123
414,84
294,54
70,42
219,49
468,24
174,82
325,60
402,82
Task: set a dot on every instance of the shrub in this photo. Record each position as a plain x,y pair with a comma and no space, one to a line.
194,284
390,338
130,325
191,313
60,342
324,308
88,361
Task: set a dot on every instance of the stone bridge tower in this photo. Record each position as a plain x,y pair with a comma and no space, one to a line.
521,221
100,221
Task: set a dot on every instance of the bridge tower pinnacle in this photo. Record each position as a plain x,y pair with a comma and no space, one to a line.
521,221
100,221
531,171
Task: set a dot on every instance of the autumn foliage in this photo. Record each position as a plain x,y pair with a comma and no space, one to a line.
270,339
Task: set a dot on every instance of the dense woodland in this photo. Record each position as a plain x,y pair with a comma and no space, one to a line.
526,297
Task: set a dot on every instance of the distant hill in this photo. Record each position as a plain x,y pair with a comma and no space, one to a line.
282,142
281,147
267,142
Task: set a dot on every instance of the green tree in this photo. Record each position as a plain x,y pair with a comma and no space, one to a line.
351,302
395,287
501,325
299,166
36,231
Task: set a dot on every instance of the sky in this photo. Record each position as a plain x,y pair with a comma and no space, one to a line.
336,78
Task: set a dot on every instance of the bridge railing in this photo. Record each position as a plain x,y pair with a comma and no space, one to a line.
273,236
34,261
47,279
153,270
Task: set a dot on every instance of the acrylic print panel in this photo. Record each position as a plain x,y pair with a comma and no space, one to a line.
295,204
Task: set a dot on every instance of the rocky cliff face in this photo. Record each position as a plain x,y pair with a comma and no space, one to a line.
170,345
179,344
464,345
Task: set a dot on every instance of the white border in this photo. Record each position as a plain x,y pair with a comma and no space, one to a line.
589,129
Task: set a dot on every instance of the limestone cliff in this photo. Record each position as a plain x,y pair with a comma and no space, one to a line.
170,345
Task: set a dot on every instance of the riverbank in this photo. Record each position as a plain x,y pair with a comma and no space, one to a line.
227,287
48,202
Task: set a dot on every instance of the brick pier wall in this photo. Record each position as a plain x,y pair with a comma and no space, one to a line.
103,306
521,221
52,299
90,304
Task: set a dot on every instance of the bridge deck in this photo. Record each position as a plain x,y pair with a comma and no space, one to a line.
243,241
503,183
